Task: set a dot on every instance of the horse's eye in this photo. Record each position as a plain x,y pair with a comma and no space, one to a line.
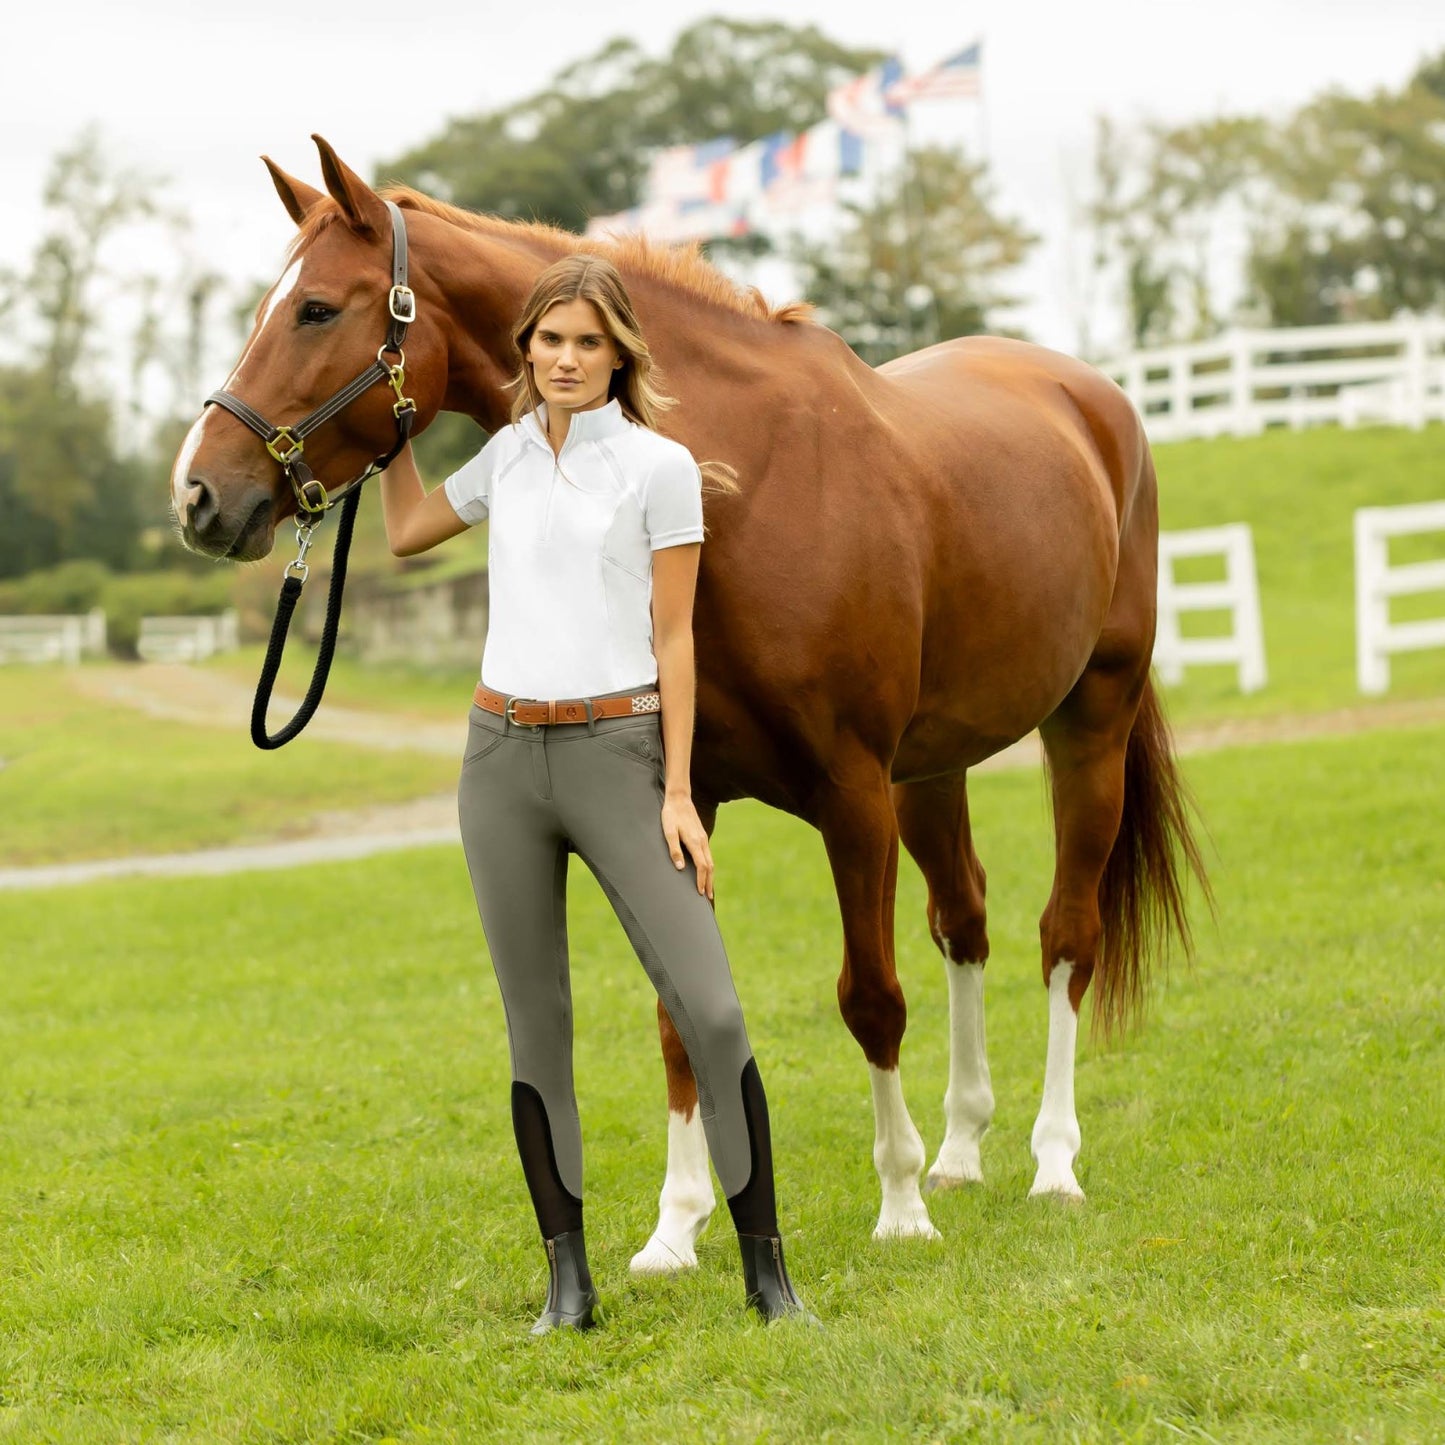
316,313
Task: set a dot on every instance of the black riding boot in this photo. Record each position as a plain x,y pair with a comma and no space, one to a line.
770,1291
571,1299
570,1295
755,1214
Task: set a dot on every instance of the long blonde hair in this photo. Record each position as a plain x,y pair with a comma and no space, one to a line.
636,384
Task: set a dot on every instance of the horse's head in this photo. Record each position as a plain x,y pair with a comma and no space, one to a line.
318,328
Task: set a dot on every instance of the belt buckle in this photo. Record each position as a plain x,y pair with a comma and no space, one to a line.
509,716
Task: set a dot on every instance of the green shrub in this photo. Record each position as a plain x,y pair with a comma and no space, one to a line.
66,588
158,594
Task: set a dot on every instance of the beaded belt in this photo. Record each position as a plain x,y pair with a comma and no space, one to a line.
570,710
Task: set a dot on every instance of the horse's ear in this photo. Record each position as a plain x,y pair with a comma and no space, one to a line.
359,203
296,196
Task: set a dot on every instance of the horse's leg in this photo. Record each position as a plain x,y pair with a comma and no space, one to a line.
687,1199
860,832
933,823
1085,741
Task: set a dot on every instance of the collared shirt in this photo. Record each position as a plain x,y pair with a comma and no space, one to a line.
569,549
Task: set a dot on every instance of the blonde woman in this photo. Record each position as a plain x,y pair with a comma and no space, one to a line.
580,740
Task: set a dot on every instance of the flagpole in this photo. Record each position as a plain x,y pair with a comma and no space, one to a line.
982,110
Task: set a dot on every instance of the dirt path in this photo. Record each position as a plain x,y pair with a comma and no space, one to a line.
211,699
195,695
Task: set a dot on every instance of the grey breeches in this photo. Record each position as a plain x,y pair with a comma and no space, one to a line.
527,798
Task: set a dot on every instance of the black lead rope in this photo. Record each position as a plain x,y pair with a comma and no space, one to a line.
286,444
285,606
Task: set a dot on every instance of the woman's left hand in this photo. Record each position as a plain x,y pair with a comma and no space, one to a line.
682,827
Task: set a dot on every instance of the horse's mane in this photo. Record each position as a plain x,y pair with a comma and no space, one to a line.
682,266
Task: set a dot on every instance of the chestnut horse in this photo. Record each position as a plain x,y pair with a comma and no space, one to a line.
923,563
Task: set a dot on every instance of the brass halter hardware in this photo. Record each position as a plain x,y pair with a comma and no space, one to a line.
287,444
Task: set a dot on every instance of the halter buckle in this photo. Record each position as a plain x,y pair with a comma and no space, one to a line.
294,446
310,495
402,304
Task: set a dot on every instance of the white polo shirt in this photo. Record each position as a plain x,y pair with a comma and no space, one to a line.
569,550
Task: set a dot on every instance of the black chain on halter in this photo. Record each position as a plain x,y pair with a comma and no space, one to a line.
286,444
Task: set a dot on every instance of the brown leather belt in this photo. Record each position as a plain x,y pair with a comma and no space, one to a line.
571,710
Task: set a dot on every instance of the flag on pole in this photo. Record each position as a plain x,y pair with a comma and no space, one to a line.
954,78
861,105
687,172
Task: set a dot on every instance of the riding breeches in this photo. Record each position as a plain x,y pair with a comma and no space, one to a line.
527,799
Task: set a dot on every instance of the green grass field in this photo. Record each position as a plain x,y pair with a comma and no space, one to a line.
79,779
257,1180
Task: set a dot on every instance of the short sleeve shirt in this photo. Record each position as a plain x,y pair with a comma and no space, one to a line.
569,549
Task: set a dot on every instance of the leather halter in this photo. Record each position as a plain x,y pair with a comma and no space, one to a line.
287,443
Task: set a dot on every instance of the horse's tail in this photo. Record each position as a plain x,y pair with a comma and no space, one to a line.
1142,892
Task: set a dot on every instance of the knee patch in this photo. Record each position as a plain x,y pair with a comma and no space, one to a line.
558,1210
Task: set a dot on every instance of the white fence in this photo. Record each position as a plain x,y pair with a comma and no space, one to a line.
1376,581
1246,381
45,638
186,639
1237,593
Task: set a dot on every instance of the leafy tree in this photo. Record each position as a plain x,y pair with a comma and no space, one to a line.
63,490
1165,198
1357,229
87,201
923,262
580,147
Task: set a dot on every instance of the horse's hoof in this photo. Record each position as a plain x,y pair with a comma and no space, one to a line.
914,1224
657,1257
941,1183
1065,1190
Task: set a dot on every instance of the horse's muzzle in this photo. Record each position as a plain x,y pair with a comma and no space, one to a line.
232,533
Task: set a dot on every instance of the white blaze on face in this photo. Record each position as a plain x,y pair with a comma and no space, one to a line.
279,292
181,472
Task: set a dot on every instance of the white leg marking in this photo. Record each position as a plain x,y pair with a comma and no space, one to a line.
899,1158
686,1204
968,1104
1056,1131
181,472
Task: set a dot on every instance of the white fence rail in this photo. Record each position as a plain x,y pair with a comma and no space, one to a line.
186,639
52,638
1243,382
1237,593
1376,581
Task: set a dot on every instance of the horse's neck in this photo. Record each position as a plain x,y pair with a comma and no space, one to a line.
489,279
703,347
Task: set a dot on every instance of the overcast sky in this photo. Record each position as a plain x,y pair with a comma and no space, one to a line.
196,92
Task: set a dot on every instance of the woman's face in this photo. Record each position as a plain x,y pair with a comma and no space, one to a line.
572,356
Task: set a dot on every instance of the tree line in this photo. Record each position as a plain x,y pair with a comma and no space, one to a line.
1338,206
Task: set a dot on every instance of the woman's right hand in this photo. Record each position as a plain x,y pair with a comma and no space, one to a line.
682,827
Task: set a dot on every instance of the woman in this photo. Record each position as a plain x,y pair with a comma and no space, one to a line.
580,741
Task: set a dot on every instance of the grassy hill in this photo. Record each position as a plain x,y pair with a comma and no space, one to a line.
1298,491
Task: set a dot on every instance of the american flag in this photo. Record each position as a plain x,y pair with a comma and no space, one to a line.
956,77
859,105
